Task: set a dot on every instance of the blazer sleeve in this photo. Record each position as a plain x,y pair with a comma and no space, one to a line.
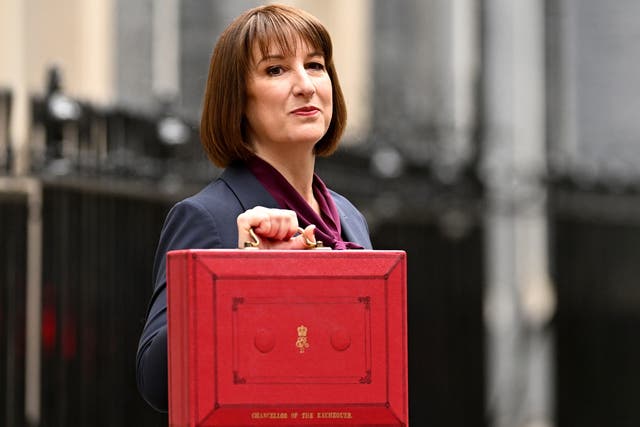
189,225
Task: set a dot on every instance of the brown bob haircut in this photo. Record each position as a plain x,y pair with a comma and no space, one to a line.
223,125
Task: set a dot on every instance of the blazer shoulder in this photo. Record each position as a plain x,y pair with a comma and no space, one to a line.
215,198
344,205
205,220
354,224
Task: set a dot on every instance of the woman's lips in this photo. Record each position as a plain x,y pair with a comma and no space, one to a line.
305,111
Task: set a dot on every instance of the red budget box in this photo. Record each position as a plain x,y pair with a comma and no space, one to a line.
287,338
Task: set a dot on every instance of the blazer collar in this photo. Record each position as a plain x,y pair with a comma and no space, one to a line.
247,188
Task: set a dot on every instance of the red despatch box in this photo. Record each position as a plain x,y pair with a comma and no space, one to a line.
287,338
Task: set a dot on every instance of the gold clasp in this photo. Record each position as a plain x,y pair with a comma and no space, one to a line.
310,244
255,243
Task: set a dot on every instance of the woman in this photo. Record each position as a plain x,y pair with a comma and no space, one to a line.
272,104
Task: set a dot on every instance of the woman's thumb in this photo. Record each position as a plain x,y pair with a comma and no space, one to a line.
309,235
306,239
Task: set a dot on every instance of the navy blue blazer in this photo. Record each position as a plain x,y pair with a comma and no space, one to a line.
207,220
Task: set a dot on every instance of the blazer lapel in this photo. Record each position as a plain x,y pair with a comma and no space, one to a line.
249,191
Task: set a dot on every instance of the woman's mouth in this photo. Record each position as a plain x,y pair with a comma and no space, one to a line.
308,110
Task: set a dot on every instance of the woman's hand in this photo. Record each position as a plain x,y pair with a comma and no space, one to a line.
276,229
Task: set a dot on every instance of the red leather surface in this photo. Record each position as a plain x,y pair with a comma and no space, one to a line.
287,338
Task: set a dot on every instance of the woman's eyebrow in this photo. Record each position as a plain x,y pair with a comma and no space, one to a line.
281,56
270,57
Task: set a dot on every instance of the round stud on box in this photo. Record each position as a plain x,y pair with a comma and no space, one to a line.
265,340
340,339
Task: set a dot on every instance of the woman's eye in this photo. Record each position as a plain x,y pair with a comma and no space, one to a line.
316,66
275,71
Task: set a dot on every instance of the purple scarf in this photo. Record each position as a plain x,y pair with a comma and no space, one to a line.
327,224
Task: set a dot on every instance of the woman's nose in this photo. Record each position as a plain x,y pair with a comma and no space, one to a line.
303,84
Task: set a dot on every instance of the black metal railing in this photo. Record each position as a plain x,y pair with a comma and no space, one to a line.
596,236
13,283
98,248
115,143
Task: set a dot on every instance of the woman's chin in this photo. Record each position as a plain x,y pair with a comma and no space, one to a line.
309,137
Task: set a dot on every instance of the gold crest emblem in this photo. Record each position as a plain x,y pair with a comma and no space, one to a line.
302,343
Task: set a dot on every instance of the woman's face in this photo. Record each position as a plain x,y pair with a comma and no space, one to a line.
289,99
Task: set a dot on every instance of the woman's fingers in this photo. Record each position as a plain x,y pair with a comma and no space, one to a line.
246,221
303,240
307,237
270,226
280,225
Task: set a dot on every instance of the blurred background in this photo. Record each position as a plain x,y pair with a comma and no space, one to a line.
496,141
